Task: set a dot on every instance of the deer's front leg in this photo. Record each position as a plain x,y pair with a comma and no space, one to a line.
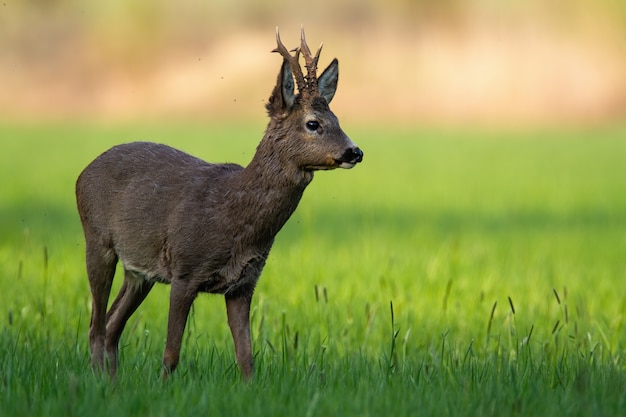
238,311
181,299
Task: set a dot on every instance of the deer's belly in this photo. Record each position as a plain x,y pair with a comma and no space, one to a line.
137,273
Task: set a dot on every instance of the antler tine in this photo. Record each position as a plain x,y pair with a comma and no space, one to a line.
310,61
293,61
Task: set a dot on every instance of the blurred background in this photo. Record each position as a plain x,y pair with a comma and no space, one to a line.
493,62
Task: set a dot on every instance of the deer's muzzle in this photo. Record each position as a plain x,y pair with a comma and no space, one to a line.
350,158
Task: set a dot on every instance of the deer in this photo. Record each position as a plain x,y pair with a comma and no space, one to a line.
202,227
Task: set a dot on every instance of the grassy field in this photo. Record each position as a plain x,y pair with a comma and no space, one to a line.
452,273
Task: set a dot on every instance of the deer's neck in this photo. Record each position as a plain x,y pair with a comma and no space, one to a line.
271,190
276,169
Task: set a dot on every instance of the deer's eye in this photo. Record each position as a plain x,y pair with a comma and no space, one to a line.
312,125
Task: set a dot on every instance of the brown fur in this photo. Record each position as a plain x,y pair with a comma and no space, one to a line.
172,218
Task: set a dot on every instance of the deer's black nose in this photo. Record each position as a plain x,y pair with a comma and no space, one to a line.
350,158
352,155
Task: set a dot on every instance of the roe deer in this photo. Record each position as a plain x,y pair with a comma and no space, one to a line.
172,218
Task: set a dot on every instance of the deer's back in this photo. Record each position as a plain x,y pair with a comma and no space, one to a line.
142,173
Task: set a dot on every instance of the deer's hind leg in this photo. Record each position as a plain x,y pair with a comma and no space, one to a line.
134,290
101,262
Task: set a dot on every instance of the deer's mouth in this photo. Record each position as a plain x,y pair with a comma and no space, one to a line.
345,165
348,160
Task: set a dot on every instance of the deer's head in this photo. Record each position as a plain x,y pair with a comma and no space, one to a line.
309,131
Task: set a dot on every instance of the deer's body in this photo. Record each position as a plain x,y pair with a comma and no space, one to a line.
198,220
172,218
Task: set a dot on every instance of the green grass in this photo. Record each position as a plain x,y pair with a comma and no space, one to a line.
452,273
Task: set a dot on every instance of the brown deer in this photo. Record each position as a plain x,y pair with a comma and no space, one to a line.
172,218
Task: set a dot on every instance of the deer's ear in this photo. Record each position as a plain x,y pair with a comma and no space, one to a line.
283,96
327,82
287,86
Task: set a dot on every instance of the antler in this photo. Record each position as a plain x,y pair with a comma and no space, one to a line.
306,84
294,61
310,62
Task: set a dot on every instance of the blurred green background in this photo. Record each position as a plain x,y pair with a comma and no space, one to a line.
495,62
